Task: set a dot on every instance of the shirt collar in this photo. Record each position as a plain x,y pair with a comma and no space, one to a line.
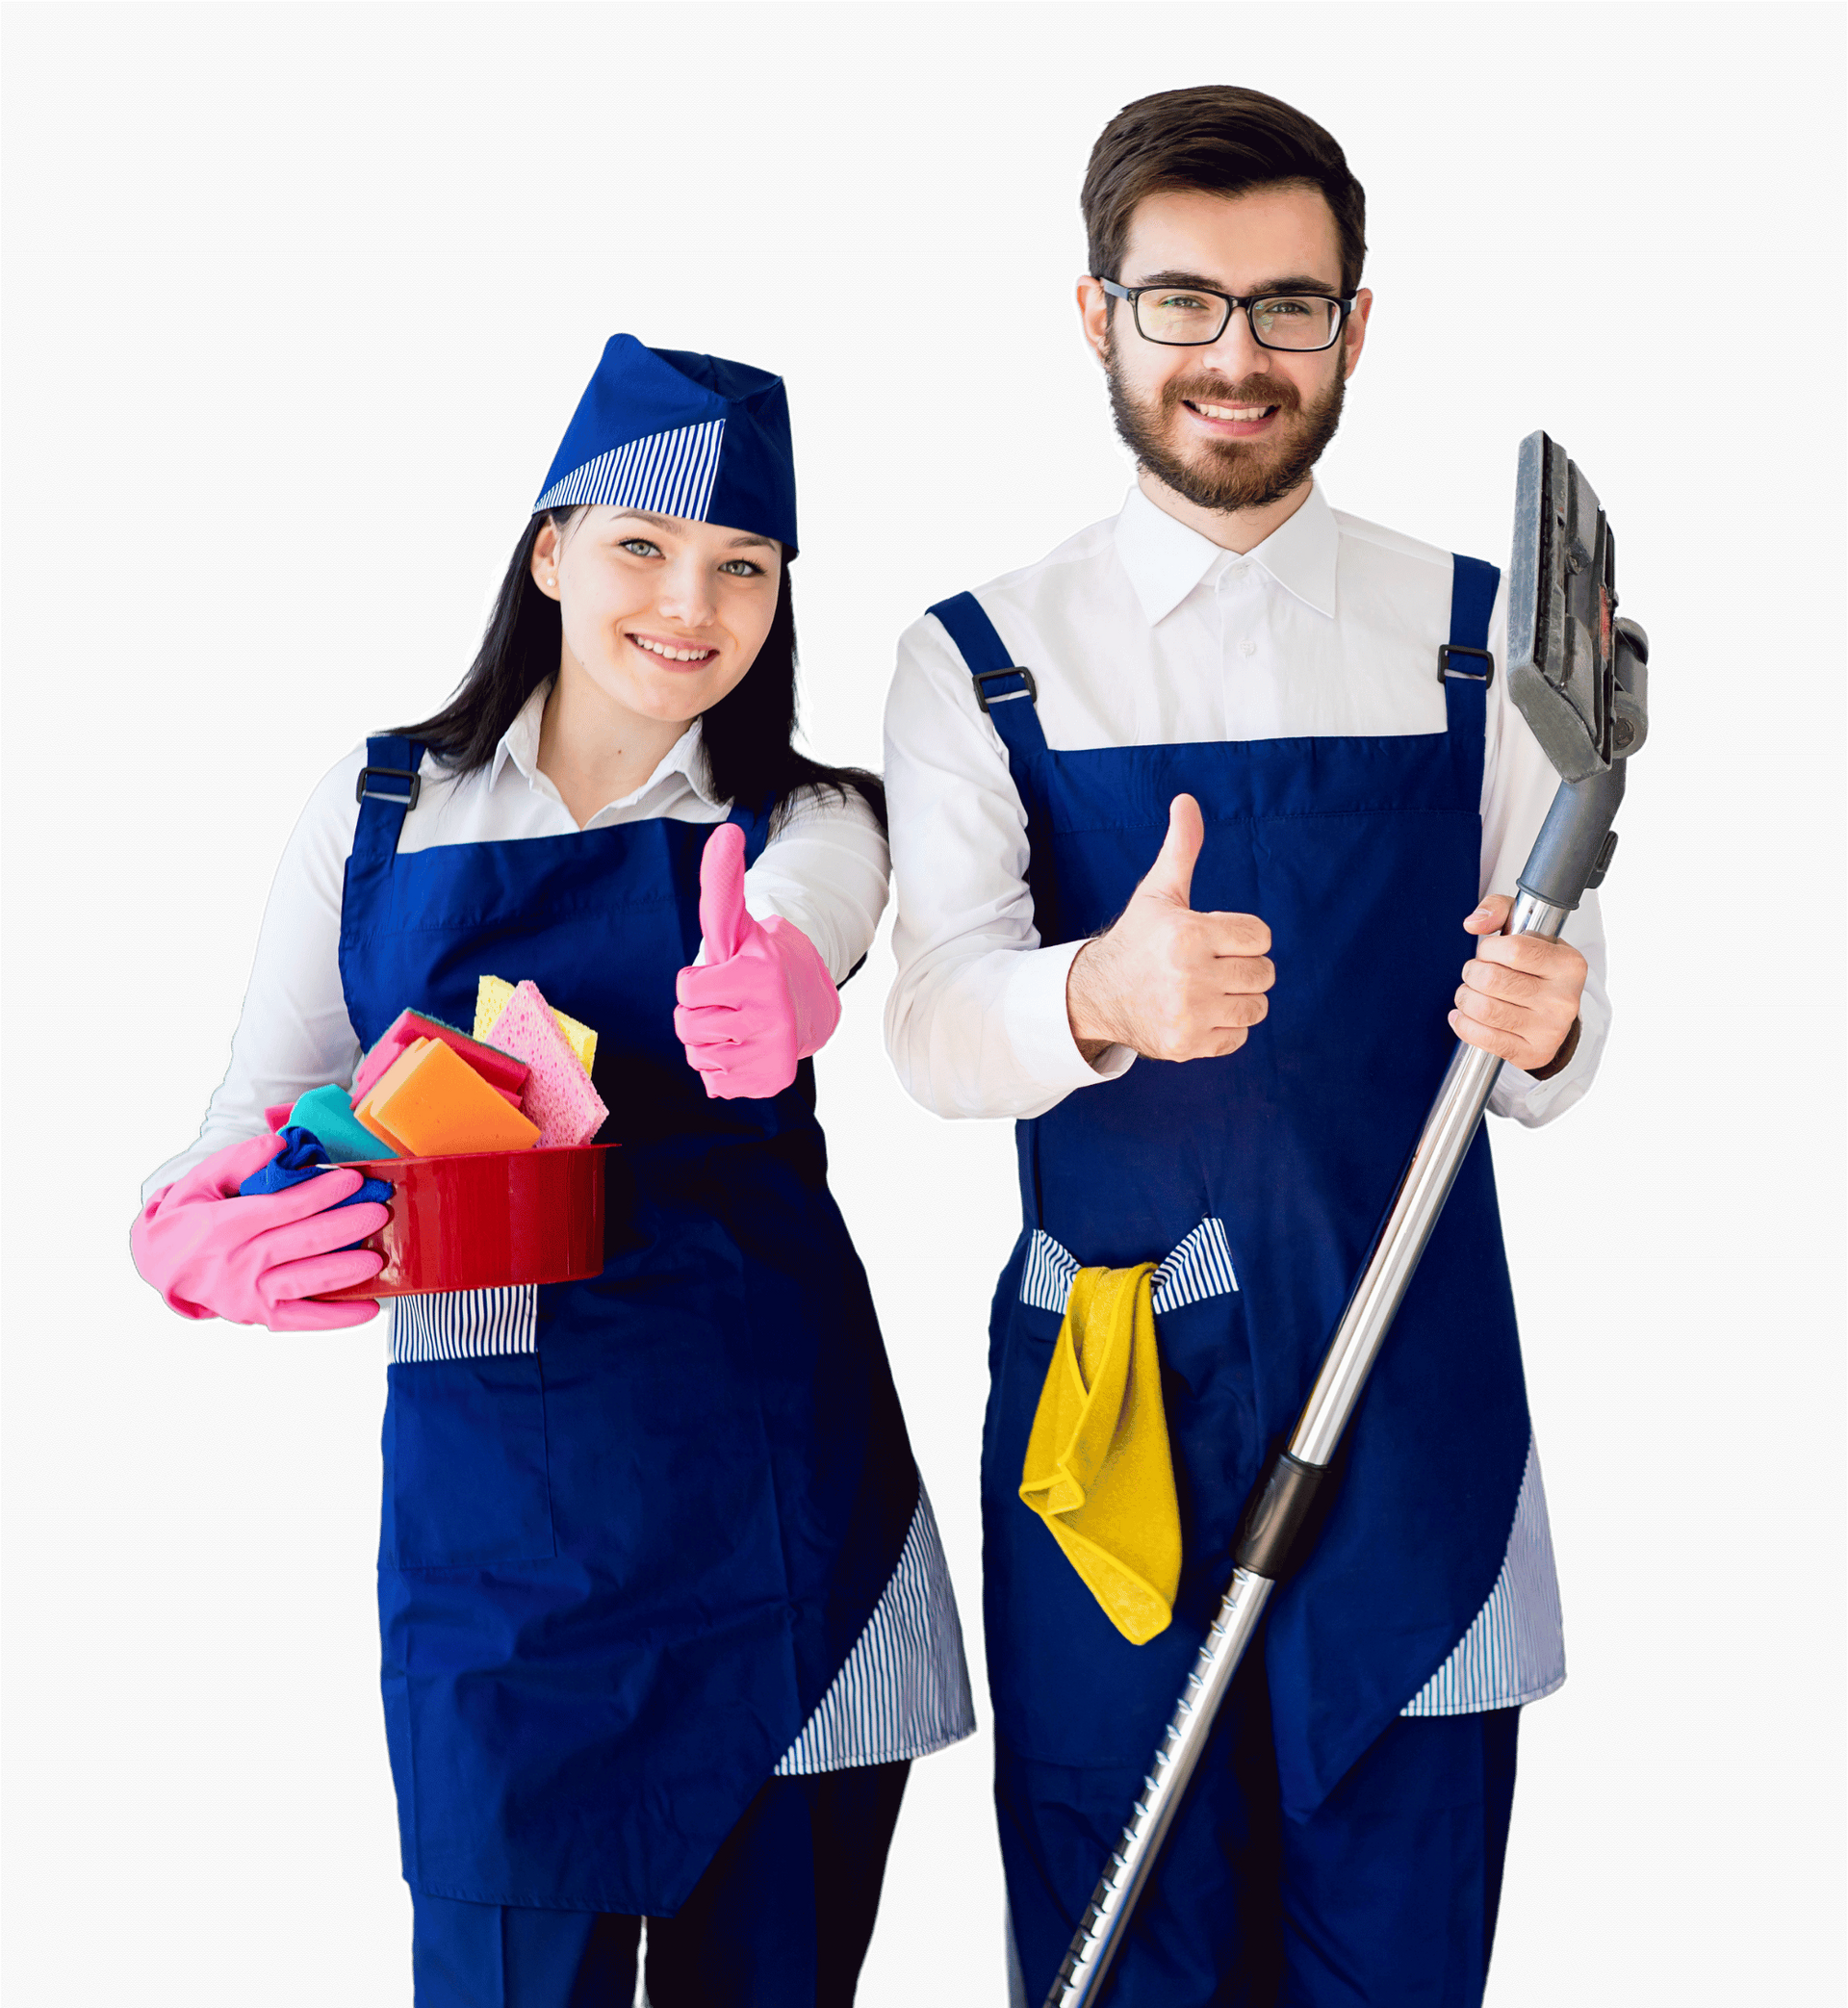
685,758
1166,560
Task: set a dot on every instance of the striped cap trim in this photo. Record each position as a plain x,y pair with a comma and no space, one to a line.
1200,1268
1515,1652
671,473
464,1325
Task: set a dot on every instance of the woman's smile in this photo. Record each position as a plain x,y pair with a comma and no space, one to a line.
665,649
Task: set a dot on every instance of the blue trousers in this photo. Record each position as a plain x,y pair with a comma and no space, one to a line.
781,1919
1384,1897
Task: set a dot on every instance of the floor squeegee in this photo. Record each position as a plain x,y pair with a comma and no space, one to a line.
1579,678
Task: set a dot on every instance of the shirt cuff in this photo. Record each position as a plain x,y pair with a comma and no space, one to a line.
1039,1026
1535,1105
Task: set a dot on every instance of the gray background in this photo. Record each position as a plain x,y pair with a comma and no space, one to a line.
296,303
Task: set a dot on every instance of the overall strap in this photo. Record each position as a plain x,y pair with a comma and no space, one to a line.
389,786
1001,684
1466,669
756,825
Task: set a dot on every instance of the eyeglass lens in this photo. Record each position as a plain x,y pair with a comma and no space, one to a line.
1283,321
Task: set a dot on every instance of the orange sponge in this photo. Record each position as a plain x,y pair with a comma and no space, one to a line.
432,1099
364,1108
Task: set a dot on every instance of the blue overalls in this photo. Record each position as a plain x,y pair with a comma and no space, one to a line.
1260,1179
622,1560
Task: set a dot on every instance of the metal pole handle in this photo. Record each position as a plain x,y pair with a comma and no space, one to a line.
1277,1520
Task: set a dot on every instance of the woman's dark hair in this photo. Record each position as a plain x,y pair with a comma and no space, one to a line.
747,733
1221,138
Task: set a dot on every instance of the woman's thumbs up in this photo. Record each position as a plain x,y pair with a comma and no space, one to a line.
722,913
763,1000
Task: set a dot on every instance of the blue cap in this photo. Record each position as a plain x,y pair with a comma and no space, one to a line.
683,435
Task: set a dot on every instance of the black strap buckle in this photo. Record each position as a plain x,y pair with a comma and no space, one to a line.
983,677
408,801
1464,676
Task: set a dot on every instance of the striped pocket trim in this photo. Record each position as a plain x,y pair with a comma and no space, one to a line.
1051,1270
1201,1267
1515,1652
672,473
464,1325
903,1689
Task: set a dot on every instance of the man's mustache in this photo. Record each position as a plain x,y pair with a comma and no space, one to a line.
1214,390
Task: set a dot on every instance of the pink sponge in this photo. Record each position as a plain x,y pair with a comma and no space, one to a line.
558,1095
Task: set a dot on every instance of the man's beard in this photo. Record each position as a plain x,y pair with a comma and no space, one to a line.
1227,474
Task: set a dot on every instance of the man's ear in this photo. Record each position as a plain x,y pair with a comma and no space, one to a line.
1093,315
1356,330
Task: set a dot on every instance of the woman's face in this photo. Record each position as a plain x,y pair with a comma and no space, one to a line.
663,616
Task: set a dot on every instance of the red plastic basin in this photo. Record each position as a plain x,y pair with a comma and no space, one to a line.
487,1220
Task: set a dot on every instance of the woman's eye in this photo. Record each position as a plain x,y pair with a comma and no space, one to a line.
641,546
742,568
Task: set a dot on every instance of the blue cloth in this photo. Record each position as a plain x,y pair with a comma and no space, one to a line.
300,1157
1363,856
618,1573
781,1919
683,435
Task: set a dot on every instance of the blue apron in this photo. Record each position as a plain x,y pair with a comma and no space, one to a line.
620,1568
1363,855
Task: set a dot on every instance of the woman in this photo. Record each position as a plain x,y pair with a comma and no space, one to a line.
664,1612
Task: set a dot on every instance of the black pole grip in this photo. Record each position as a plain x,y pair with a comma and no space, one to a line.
1566,852
1578,843
1284,1518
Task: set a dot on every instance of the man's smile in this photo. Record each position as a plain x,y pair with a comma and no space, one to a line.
1232,421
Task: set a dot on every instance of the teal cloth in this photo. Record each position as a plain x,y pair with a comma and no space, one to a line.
342,1135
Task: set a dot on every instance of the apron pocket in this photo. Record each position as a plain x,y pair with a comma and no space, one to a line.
1067,1688
466,1480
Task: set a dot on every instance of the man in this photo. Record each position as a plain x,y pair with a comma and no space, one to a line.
1191,826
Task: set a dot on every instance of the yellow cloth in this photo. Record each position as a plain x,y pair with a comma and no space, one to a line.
1099,1472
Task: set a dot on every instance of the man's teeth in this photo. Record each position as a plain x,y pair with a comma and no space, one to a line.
661,648
1233,414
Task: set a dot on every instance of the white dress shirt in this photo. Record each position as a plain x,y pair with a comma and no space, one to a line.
904,1691
825,869
1141,631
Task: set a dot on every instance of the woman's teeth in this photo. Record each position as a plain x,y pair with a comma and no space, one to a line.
661,648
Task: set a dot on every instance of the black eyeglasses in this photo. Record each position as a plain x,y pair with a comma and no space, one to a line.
1189,317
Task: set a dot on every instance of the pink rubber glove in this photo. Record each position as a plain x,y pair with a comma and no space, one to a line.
763,999
212,1253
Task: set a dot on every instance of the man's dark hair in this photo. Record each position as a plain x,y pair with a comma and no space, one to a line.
747,735
1221,138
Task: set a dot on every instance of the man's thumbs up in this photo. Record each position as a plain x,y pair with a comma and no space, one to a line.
1171,877
1164,981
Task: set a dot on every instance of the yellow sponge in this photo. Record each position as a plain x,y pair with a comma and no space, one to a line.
491,999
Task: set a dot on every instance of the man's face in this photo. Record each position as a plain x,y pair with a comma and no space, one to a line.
1229,426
